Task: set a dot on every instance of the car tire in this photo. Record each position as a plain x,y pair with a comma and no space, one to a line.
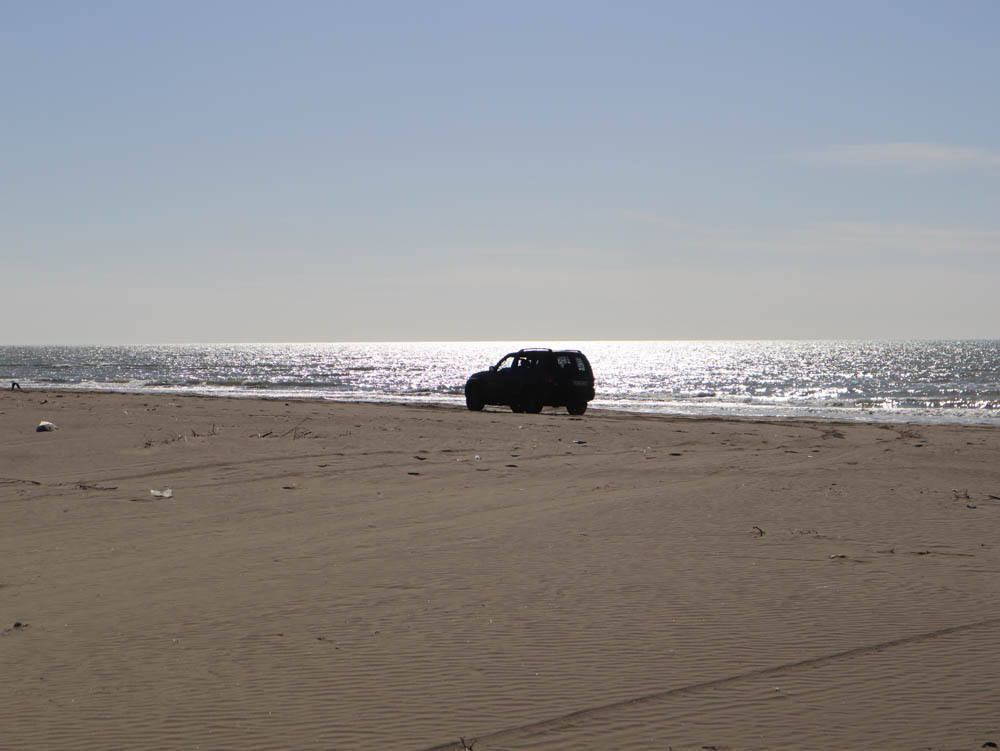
474,398
532,403
577,408
516,407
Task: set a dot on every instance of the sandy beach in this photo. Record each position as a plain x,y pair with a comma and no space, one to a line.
360,576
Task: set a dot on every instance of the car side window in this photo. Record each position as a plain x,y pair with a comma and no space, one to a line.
507,362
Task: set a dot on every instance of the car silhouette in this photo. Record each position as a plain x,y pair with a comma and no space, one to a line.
530,379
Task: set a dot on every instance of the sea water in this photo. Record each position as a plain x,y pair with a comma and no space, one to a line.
937,381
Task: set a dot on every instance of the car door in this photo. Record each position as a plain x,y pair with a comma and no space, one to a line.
502,383
574,374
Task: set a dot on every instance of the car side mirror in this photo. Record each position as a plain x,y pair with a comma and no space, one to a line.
493,368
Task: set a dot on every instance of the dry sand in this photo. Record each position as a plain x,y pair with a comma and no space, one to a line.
342,576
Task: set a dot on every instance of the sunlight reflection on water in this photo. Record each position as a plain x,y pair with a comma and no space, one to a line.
946,380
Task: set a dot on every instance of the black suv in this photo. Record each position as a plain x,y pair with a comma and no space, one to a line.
530,379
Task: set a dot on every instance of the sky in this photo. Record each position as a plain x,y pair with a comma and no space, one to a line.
250,171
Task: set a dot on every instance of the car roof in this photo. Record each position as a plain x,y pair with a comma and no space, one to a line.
527,350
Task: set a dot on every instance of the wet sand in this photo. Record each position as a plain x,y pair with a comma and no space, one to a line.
350,576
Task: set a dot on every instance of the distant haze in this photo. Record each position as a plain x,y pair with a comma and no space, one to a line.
392,171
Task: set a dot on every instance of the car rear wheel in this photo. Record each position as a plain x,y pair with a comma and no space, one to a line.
474,398
577,407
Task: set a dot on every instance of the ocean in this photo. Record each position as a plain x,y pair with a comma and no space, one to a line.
901,381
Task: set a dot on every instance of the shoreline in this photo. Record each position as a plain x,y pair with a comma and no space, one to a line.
371,576
933,381
872,418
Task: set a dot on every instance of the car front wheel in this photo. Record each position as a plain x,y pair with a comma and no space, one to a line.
577,408
474,398
532,403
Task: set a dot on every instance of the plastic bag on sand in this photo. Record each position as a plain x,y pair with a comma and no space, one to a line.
165,493
44,425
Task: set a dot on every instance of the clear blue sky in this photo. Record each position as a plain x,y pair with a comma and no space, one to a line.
332,171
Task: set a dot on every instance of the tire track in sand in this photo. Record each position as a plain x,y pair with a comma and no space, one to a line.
556,723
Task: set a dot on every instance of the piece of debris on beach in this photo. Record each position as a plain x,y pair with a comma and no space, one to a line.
165,493
45,426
